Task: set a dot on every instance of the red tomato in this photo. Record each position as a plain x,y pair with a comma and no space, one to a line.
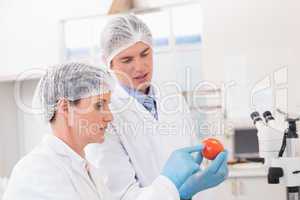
212,147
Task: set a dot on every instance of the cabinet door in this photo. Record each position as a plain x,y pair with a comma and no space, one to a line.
252,188
228,190
259,189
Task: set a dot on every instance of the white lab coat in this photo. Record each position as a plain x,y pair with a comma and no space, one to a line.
137,147
53,171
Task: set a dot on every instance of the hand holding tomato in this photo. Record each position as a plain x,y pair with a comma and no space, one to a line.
214,174
212,147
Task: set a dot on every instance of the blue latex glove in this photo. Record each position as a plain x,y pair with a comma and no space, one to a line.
215,174
181,165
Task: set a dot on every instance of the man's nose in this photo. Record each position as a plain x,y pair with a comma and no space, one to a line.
139,65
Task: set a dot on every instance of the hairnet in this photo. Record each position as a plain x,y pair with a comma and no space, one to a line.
122,32
72,81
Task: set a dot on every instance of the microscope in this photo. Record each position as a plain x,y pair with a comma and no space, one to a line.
277,145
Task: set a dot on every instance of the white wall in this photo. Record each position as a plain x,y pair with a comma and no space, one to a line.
180,68
30,32
265,33
247,40
20,129
31,127
9,143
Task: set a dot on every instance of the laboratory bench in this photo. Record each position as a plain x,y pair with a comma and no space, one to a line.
246,181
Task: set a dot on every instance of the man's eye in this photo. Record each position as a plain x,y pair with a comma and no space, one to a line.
144,54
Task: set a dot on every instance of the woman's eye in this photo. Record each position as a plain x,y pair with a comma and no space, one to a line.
126,61
99,106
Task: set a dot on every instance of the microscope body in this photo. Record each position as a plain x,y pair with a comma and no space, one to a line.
278,147
290,175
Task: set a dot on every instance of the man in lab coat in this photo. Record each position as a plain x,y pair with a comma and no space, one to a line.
149,121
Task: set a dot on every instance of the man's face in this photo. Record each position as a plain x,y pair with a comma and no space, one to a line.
134,66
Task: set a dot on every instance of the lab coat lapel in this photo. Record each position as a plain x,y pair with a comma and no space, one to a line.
105,194
79,181
144,130
127,102
72,165
84,176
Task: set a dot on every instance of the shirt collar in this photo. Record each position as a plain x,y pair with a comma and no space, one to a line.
139,95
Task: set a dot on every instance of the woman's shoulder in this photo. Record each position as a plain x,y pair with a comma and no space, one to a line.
41,161
37,175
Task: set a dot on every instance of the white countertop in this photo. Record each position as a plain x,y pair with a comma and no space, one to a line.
248,170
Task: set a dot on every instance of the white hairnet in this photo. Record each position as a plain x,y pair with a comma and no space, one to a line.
72,81
122,32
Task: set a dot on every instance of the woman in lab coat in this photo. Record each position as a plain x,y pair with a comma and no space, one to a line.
75,100
150,122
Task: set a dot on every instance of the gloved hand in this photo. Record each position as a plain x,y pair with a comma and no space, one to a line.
215,174
181,165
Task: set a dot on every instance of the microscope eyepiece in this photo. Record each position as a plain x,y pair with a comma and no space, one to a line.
268,116
255,117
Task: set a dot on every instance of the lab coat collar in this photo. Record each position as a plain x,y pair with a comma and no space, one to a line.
139,95
61,148
73,161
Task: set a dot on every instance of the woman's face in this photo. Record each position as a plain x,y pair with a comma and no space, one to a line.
91,117
134,65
